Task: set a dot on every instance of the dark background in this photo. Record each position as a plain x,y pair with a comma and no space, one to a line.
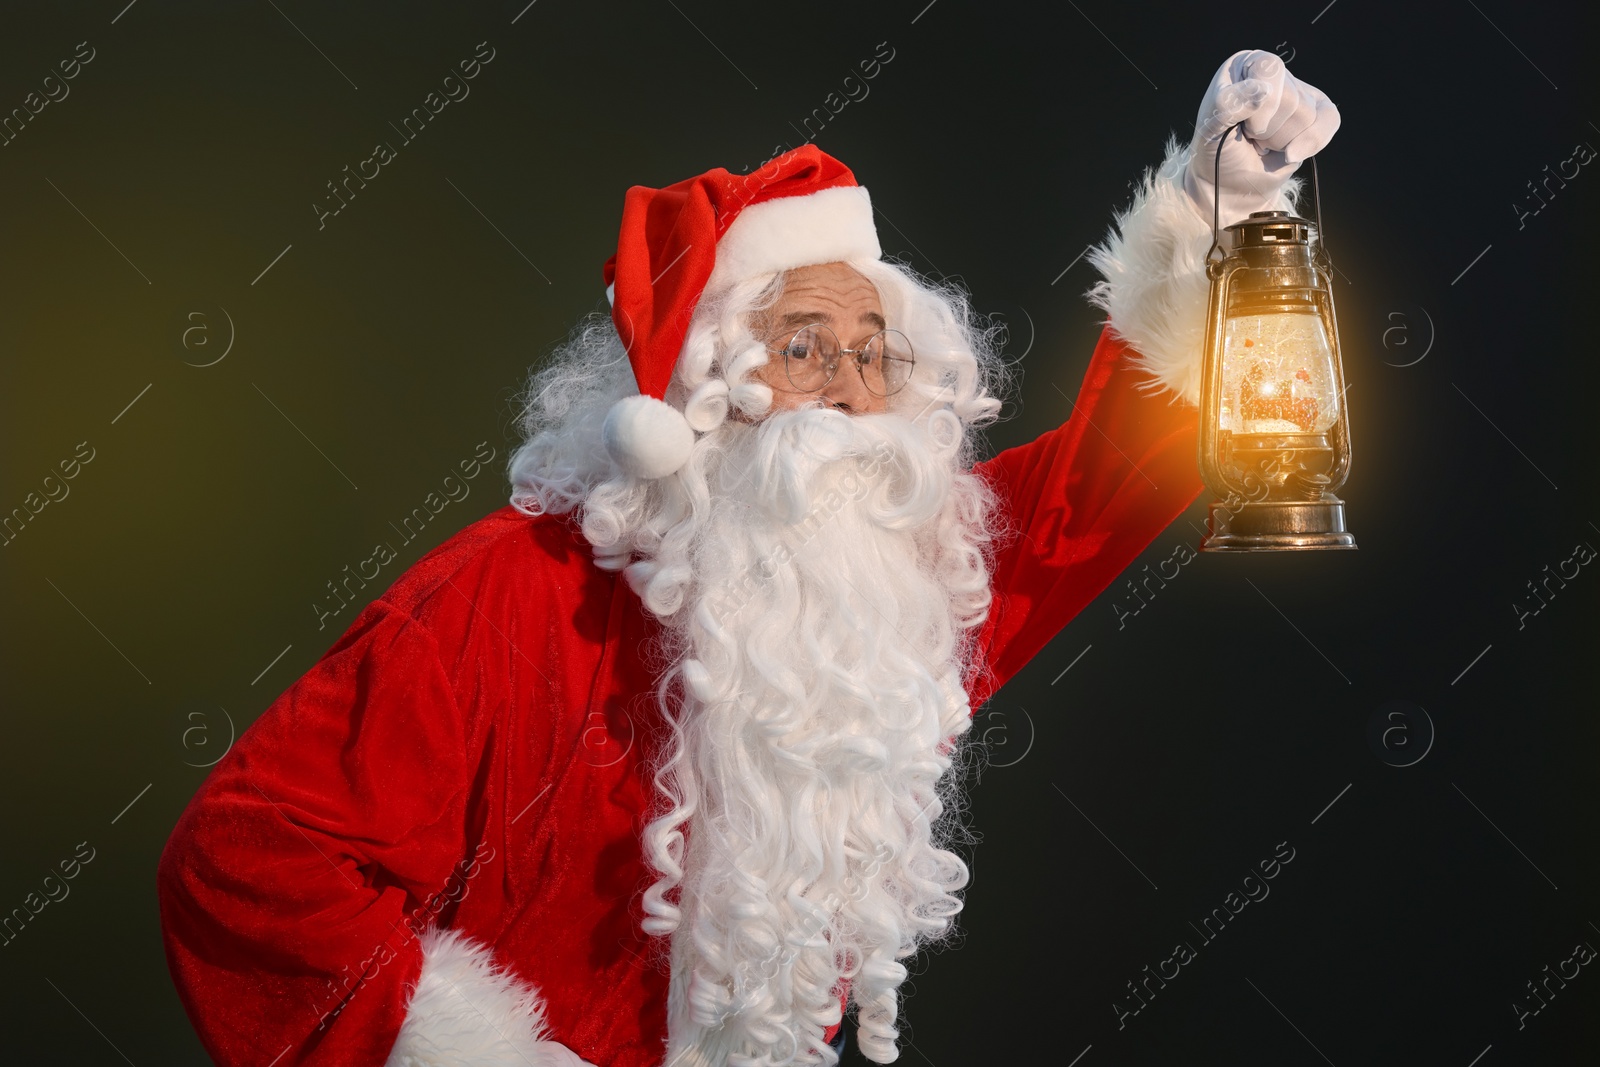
1121,799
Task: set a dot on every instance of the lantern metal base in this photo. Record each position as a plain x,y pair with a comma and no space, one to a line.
1277,526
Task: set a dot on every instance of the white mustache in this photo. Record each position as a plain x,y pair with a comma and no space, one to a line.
789,463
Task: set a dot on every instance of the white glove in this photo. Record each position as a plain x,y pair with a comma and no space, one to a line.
1286,121
1154,267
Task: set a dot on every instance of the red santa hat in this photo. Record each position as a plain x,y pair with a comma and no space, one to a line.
700,235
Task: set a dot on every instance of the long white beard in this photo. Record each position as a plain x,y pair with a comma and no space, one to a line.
830,586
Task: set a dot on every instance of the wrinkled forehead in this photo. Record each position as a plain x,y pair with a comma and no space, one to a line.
835,294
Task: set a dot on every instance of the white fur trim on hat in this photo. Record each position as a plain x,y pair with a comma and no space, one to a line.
466,1009
828,226
648,438
1155,288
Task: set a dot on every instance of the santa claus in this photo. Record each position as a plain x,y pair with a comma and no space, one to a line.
654,765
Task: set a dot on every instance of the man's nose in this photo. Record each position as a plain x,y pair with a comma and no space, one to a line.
848,392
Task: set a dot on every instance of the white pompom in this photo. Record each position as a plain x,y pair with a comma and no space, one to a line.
648,438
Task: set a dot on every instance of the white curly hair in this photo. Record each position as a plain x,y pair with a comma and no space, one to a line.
819,579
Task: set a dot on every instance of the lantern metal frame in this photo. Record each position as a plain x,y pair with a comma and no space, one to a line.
1277,488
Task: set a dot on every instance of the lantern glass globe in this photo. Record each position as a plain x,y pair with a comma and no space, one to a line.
1277,374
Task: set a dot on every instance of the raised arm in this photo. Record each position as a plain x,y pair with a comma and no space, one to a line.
1086,498
1081,502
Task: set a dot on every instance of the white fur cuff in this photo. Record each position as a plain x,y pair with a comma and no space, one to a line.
1155,289
468,1012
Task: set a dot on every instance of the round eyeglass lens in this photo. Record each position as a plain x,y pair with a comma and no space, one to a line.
888,363
811,358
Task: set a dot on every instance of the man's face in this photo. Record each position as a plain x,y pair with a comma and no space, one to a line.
837,296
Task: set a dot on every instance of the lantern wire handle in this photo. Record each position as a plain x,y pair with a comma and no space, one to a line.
1216,199
1316,208
1216,204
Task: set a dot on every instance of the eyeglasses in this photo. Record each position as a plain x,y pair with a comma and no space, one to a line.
811,359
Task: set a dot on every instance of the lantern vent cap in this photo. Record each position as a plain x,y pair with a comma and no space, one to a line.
1271,228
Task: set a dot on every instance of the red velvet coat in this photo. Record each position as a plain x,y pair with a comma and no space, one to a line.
472,753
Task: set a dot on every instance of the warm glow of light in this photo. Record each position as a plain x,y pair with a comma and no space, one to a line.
1277,375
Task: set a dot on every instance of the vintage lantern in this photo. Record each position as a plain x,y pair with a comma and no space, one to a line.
1274,432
